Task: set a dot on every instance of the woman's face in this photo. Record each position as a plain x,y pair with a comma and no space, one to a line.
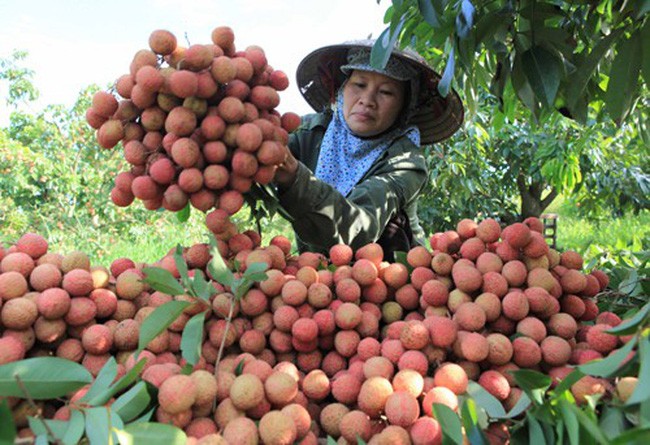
371,102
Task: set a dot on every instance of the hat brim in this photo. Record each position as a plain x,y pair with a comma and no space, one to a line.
319,77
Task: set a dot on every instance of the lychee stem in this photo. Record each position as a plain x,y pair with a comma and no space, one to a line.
37,410
222,346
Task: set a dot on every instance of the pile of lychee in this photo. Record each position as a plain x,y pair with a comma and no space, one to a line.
198,125
346,345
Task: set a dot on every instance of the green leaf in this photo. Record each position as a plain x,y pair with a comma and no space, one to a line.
471,422
645,38
76,427
485,400
559,431
644,412
628,285
642,389
98,425
146,417
633,436
217,267
104,379
120,385
465,19
240,287
580,110
559,39
240,367
255,268
256,277
549,433
543,69
533,383
631,325
522,405
449,424
163,281
256,272
624,78
612,421
101,424
568,381
607,366
585,70
429,13
331,441
383,47
132,403
192,338
589,425
200,286
43,377
159,320
469,413
490,25
497,87
58,427
522,86
570,421
7,426
444,86
535,432
151,432
184,214
181,265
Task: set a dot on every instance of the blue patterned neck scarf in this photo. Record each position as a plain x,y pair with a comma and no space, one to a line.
344,158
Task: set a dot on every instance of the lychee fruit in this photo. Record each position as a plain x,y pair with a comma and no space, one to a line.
275,427
452,376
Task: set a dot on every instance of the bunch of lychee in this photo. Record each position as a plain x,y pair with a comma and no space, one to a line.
197,124
346,345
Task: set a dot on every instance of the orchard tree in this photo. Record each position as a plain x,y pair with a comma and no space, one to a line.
54,177
505,170
554,91
18,79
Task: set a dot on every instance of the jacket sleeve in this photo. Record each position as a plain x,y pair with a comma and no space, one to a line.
323,217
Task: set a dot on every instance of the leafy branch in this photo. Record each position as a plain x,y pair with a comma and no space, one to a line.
199,290
37,410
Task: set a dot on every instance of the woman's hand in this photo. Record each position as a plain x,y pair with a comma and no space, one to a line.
286,172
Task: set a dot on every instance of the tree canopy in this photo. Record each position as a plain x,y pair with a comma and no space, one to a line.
574,57
555,92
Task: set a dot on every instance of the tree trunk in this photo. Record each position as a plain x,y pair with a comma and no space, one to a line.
532,203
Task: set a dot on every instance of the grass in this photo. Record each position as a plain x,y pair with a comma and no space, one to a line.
150,240
592,236
151,245
142,241
628,232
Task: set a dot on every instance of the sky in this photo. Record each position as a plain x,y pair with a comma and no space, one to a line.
72,44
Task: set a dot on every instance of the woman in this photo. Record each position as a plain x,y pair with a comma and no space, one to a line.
355,169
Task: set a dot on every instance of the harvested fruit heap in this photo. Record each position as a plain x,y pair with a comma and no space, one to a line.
343,346
197,125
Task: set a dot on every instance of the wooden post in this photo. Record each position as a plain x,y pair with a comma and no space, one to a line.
550,227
